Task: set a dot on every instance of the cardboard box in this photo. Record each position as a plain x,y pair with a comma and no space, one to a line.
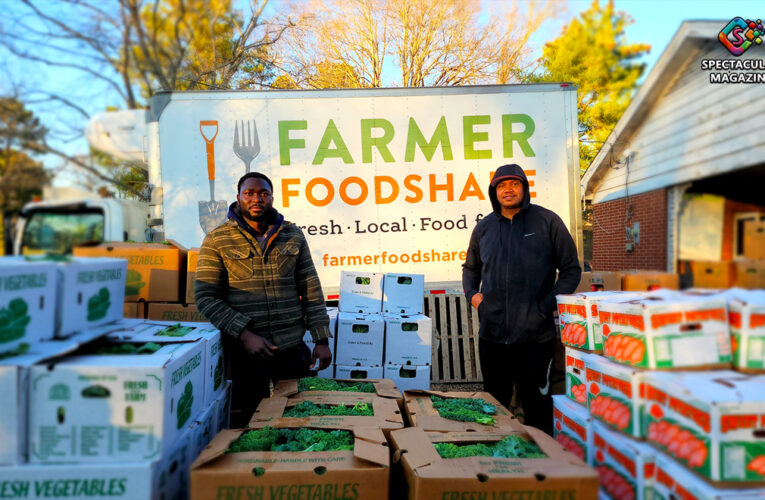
403,293
408,339
750,274
572,427
27,302
363,473
155,270
163,311
667,330
614,395
675,481
430,477
94,408
384,388
191,273
222,417
746,312
134,310
420,412
91,292
386,416
202,430
409,377
360,339
709,422
701,274
599,281
625,467
582,309
156,331
576,375
649,281
98,481
754,239
358,372
361,292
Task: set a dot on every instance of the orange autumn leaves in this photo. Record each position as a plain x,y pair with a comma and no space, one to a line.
574,334
678,442
624,349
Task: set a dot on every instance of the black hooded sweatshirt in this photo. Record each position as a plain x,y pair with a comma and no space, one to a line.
514,263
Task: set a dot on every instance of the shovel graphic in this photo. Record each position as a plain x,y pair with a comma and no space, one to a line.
211,213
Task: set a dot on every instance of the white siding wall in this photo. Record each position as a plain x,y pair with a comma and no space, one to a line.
695,130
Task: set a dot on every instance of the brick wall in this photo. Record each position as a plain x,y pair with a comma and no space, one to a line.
608,241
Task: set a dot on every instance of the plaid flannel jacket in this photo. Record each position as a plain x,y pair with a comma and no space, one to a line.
274,293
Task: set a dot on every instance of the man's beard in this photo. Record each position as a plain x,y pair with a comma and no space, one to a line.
256,218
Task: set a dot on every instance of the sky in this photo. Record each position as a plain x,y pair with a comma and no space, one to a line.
655,23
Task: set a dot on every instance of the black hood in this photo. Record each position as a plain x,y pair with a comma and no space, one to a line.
275,221
511,170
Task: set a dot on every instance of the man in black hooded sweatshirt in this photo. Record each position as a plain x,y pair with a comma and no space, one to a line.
509,277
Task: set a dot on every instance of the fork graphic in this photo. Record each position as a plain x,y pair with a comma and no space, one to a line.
248,147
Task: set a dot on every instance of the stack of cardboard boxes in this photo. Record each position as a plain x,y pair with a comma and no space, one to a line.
651,400
97,406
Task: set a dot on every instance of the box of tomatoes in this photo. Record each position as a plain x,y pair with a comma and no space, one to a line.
579,322
713,423
572,427
625,466
614,395
667,330
576,375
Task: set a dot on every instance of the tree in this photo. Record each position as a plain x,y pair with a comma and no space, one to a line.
450,42
21,176
593,54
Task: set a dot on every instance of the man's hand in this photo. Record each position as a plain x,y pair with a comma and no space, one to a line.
476,300
324,356
257,345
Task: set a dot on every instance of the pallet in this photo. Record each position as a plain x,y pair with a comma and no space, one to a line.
455,339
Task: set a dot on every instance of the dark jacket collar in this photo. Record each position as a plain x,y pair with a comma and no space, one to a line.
275,222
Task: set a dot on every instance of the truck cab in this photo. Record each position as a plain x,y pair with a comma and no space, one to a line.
55,227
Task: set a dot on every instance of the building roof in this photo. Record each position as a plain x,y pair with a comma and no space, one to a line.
681,49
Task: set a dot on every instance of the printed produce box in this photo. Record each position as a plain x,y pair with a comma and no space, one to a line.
168,331
155,271
674,481
625,466
361,292
408,339
539,467
202,430
750,274
14,386
134,310
649,281
360,339
599,281
700,274
747,329
358,372
456,411
408,377
403,293
114,401
578,315
305,463
709,422
336,411
165,311
614,395
576,375
223,409
27,302
667,330
192,257
90,293
572,427
380,387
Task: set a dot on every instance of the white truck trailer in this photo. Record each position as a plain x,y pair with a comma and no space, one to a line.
389,180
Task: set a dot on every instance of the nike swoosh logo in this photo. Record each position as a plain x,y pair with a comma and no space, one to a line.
544,390
527,235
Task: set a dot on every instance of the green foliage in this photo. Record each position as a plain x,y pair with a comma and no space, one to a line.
175,330
465,409
133,282
127,348
269,439
13,320
510,447
185,402
324,384
309,409
98,305
593,54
